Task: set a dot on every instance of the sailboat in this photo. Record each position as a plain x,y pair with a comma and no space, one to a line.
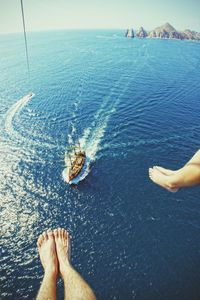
75,163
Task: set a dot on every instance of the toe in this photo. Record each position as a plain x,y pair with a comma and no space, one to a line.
62,232
68,245
39,241
59,232
151,174
65,233
44,235
50,233
55,233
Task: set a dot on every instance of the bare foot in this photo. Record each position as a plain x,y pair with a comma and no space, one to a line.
62,240
160,179
165,171
47,251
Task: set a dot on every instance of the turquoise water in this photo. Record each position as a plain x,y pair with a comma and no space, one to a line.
133,104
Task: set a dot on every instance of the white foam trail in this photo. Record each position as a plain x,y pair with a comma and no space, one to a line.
91,140
92,136
93,146
15,109
84,138
99,115
70,135
9,127
70,139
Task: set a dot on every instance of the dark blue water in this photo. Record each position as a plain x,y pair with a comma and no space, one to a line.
133,104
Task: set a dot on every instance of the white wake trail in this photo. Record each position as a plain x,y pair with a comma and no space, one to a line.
11,114
15,109
93,135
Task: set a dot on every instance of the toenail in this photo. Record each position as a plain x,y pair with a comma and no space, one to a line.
44,235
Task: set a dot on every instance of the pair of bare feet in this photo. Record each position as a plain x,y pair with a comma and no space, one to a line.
160,176
54,251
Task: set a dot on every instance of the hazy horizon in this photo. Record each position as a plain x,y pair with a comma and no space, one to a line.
45,15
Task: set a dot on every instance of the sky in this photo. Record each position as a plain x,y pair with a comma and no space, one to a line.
43,15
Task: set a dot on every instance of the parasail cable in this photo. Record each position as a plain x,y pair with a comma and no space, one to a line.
27,60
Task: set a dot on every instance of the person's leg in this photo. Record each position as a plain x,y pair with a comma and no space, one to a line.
47,251
195,160
75,286
189,175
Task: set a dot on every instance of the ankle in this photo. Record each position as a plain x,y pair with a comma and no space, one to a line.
65,269
51,272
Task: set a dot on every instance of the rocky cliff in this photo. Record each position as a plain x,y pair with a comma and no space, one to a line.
166,31
141,33
129,33
190,35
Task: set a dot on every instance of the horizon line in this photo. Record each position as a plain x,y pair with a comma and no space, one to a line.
85,28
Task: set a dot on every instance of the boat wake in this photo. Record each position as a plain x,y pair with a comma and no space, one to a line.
92,136
12,114
14,111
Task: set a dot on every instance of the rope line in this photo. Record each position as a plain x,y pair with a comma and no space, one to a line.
27,59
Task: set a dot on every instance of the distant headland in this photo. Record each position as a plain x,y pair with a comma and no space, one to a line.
165,31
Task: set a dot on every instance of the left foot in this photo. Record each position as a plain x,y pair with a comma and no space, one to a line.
160,179
47,251
62,241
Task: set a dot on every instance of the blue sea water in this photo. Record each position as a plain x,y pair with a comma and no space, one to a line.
133,103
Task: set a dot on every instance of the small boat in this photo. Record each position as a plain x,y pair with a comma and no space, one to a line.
77,165
77,162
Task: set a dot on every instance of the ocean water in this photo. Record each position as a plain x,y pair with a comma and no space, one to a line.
133,103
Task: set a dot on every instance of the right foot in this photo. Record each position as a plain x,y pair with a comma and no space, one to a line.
62,240
161,179
47,251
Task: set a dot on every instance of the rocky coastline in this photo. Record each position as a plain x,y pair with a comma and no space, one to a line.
165,31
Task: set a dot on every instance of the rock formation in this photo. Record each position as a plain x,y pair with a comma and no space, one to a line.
165,31
141,33
190,35
129,33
